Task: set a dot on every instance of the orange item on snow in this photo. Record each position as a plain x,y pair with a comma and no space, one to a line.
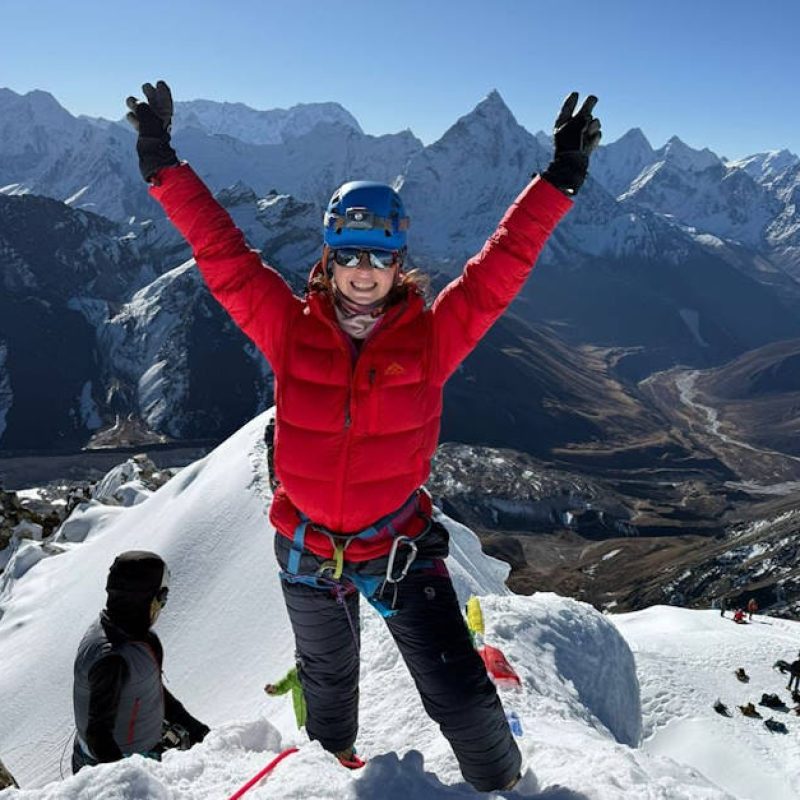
500,671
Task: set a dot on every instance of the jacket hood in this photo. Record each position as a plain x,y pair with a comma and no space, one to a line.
134,579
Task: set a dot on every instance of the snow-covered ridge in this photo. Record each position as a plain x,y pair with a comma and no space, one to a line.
765,167
259,127
226,634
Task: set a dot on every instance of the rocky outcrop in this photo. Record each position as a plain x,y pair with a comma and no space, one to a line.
18,522
6,778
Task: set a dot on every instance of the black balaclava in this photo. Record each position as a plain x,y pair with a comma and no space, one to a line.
133,581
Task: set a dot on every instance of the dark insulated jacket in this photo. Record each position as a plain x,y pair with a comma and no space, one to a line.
140,708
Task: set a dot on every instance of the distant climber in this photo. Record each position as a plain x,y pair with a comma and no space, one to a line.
794,675
290,682
738,616
120,702
752,607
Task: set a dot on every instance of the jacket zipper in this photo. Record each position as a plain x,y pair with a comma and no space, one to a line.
132,722
138,701
348,419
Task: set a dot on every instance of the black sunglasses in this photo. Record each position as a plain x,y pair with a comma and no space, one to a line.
378,259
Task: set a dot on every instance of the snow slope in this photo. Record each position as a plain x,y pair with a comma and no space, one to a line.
686,660
226,634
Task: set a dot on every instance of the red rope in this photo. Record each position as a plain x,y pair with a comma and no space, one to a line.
264,772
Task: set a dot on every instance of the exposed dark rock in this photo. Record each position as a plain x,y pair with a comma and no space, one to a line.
6,779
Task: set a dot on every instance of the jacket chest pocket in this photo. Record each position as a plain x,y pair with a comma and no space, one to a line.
389,393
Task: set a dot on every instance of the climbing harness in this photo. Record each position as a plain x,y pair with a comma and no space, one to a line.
330,573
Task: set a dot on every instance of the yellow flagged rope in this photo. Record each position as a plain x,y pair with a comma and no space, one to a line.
474,615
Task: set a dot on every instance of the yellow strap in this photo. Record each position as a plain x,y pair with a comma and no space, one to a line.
336,564
338,558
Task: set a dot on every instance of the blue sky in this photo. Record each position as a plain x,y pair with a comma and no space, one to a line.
717,73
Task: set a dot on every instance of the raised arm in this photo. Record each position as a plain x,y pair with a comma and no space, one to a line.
466,308
255,295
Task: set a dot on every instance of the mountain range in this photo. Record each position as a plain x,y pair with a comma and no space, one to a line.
670,256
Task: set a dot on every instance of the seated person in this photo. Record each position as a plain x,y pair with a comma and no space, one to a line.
119,698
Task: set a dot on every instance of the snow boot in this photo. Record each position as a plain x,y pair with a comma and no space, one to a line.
348,758
512,783
742,675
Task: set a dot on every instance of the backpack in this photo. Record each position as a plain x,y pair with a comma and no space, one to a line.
775,726
742,675
721,708
771,701
750,710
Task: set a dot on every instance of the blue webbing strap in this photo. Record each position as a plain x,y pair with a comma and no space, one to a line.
293,564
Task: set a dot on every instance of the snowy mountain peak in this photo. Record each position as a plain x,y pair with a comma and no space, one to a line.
617,164
765,167
489,124
492,107
680,155
239,194
635,138
544,139
33,108
260,127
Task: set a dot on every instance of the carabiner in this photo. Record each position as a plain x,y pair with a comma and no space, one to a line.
392,555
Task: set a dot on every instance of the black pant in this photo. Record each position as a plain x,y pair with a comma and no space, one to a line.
433,639
80,759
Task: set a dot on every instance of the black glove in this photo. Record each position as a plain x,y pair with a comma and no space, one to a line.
575,136
153,122
197,731
176,714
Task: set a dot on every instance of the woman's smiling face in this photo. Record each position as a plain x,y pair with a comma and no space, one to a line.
364,284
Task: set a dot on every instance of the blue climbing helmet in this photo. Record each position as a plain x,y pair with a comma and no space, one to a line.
367,215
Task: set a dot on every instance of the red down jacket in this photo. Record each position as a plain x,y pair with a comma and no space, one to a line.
354,437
